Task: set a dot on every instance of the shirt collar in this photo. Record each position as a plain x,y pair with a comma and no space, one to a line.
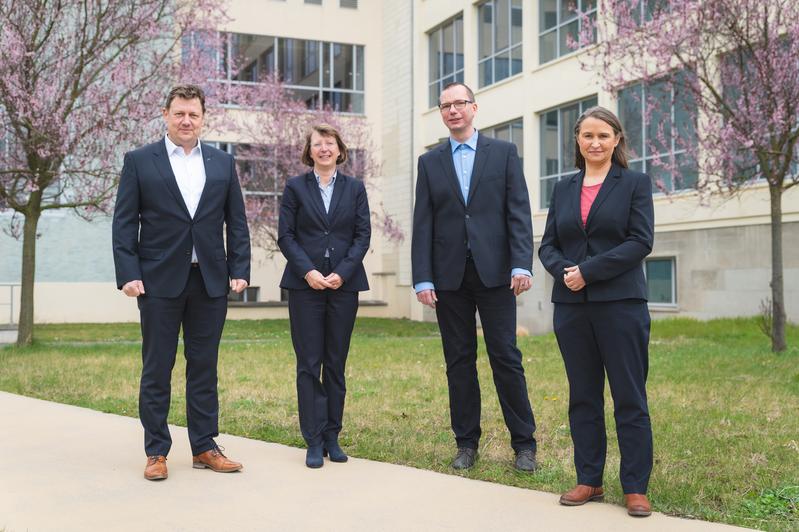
332,179
171,147
472,142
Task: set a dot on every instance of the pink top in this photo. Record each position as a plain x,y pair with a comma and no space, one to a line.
587,197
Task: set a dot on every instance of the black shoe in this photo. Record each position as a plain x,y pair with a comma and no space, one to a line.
465,458
525,460
336,453
313,457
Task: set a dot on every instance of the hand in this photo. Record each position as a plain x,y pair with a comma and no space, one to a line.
316,280
238,285
520,283
573,278
427,297
133,289
334,280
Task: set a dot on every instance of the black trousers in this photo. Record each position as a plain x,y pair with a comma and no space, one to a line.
321,328
202,318
455,311
613,338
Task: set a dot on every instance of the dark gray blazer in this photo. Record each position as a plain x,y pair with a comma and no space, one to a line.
153,233
495,221
618,236
305,231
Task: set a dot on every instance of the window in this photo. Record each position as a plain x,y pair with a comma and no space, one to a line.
350,4
318,73
658,120
557,145
559,23
660,280
261,185
499,40
509,131
446,57
315,2
249,295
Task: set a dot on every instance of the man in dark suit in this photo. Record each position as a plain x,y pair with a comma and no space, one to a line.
472,250
174,198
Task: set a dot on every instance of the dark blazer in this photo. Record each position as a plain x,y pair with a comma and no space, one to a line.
305,231
495,221
619,233
153,233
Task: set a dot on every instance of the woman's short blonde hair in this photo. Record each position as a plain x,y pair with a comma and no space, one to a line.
326,130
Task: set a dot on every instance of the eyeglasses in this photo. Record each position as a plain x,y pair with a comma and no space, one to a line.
459,105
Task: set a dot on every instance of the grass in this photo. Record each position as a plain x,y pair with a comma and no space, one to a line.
724,408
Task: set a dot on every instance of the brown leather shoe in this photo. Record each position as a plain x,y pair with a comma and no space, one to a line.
637,505
581,494
155,468
214,460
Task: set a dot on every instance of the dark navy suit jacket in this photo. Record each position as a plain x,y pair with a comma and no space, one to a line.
619,234
153,233
305,231
495,221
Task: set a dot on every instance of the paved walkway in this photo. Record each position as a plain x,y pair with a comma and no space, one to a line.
66,468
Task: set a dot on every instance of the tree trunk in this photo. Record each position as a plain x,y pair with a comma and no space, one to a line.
777,286
25,332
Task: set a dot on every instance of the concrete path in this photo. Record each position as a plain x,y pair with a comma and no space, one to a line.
66,468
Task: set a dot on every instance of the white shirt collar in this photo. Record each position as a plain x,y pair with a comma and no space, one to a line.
171,147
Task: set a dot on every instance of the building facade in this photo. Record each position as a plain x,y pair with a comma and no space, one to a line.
388,61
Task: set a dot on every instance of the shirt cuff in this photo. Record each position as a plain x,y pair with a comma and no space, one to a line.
520,271
424,285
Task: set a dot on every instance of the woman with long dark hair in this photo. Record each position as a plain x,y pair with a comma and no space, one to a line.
599,229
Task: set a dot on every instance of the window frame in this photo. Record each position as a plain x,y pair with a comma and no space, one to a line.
457,74
492,57
324,86
561,25
674,151
673,304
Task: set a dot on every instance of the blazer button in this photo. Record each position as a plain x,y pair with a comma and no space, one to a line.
467,216
327,232
188,252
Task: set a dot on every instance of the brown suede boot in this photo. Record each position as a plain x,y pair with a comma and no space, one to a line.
155,468
581,494
214,460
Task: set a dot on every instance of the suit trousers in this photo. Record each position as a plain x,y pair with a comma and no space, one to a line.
607,337
455,311
321,328
202,318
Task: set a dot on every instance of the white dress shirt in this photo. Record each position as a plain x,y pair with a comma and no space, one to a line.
189,172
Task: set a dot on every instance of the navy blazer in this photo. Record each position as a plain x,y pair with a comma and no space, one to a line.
618,235
153,233
495,221
305,231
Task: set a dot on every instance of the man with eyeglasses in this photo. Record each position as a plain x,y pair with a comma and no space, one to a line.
472,251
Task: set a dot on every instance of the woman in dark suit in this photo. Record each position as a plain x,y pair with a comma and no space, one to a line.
599,228
324,233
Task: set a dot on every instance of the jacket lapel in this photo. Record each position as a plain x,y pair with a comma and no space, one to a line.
316,196
208,165
445,157
575,188
604,191
338,191
480,159
165,169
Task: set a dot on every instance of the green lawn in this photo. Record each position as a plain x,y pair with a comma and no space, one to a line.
725,410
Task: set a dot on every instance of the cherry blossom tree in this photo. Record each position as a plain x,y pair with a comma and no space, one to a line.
735,64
